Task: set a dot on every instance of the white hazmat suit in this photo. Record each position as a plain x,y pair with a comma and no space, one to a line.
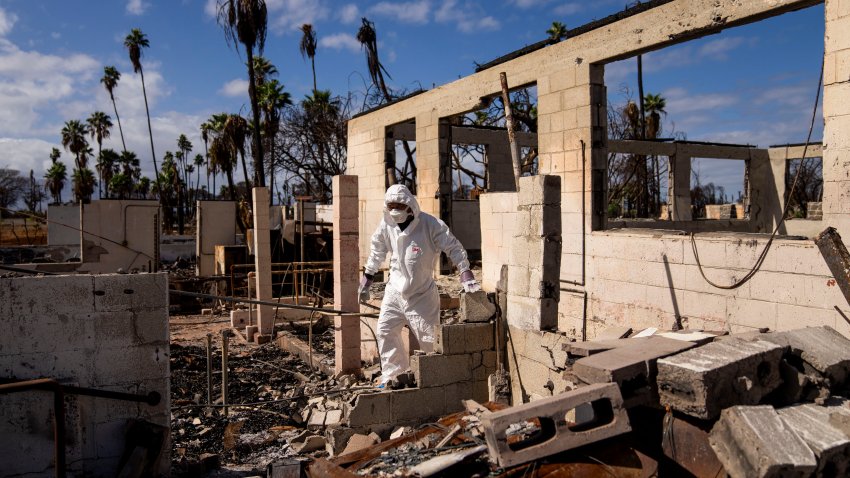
410,297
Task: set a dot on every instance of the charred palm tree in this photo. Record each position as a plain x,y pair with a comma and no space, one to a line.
245,22
135,42
307,46
110,80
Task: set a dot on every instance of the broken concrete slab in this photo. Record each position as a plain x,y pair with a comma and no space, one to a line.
830,445
369,409
476,307
613,333
703,381
826,350
632,367
358,442
690,336
609,419
754,441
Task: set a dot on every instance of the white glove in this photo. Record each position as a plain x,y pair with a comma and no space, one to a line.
363,290
471,286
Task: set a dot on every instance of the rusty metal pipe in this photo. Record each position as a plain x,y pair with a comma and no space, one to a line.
59,391
209,369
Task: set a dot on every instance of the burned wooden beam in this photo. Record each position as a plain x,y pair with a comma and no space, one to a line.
837,258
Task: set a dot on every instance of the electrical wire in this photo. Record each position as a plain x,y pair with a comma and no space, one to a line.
763,255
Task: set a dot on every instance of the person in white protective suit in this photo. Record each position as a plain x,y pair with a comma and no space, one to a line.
414,241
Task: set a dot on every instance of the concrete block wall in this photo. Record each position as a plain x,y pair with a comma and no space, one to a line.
106,332
458,371
60,215
121,235
498,225
216,225
637,278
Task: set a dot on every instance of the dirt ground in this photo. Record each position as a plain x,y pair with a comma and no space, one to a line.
22,232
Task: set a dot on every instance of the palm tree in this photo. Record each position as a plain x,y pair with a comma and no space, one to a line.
368,38
121,184
98,125
107,163
308,48
83,181
264,70
74,140
143,187
110,80
205,135
56,176
245,22
135,42
219,155
198,162
273,99
654,105
557,32
236,131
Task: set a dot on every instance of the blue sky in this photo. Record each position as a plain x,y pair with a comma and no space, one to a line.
752,84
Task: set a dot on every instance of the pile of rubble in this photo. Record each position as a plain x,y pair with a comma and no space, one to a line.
669,404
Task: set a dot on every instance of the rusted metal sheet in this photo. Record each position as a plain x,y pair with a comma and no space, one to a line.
321,468
687,445
837,258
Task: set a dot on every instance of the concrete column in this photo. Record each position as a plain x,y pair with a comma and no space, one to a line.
346,274
680,164
263,264
836,115
533,274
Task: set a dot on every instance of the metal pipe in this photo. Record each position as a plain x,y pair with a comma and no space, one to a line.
273,304
225,338
209,369
59,391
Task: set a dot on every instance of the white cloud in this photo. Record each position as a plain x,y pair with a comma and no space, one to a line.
137,7
7,21
468,17
235,88
211,8
23,154
289,15
340,41
530,3
568,8
407,12
681,101
349,13
719,49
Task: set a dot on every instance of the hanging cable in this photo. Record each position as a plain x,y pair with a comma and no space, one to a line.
763,255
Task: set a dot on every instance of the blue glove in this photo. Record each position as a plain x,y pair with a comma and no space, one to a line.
467,279
363,289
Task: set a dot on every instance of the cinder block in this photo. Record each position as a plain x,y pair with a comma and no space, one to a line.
632,367
609,419
755,442
417,404
826,350
239,318
455,394
450,340
436,370
704,381
830,446
369,409
476,307
478,337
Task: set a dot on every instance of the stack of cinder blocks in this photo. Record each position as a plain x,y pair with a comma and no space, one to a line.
464,357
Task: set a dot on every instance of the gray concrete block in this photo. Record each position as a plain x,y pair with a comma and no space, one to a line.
455,394
826,350
830,445
478,337
609,419
369,409
417,404
476,307
703,381
450,339
435,370
632,367
755,442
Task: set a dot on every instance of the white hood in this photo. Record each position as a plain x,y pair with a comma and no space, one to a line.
400,194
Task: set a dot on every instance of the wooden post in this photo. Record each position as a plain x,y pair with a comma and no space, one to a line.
509,123
837,258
